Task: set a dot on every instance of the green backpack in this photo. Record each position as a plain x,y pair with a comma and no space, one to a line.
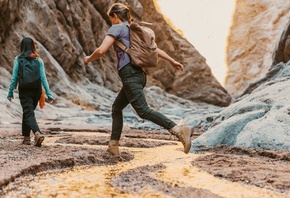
29,73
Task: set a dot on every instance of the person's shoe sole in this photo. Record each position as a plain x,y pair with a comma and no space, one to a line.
39,140
186,131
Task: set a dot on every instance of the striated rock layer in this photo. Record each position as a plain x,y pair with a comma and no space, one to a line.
256,30
259,119
66,31
282,51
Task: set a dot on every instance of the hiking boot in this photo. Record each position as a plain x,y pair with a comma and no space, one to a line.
183,133
113,147
38,139
26,140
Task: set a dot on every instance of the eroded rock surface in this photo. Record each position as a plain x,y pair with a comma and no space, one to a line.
66,31
256,30
282,51
259,119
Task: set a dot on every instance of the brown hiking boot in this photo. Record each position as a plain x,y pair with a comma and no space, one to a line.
38,139
113,147
183,133
26,140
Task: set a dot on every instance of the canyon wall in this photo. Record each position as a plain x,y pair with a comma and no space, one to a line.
68,30
253,41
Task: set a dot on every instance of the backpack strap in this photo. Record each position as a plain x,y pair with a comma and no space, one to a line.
121,45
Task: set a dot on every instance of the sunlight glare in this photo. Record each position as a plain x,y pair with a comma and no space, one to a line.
205,24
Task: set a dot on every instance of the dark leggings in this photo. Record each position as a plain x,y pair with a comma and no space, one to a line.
134,80
29,99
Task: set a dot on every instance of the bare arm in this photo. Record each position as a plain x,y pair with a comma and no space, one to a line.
107,42
173,62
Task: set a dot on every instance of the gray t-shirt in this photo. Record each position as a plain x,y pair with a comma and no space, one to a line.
121,33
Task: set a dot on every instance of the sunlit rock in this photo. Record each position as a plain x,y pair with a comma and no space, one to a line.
256,30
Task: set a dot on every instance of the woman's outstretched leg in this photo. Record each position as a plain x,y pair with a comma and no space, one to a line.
117,126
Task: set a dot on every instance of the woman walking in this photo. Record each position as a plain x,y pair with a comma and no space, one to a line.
133,81
29,92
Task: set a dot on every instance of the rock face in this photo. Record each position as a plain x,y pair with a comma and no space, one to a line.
257,120
256,30
258,78
282,51
197,72
66,31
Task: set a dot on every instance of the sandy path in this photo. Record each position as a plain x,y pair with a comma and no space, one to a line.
162,171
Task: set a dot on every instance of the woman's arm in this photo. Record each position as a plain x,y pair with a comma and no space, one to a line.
14,78
173,62
107,42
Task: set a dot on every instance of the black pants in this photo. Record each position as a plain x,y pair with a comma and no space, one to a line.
134,80
29,99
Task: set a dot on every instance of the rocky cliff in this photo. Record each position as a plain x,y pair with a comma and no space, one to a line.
256,29
258,78
66,31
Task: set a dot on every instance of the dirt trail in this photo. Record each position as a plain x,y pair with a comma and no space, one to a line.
73,162
162,170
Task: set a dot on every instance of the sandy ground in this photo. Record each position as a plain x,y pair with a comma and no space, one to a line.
73,162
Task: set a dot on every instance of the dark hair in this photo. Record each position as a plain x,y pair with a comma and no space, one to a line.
121,10
27,48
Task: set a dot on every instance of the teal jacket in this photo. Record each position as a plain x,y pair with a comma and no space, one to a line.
14,79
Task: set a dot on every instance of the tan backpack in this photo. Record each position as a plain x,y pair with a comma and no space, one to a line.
143,49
